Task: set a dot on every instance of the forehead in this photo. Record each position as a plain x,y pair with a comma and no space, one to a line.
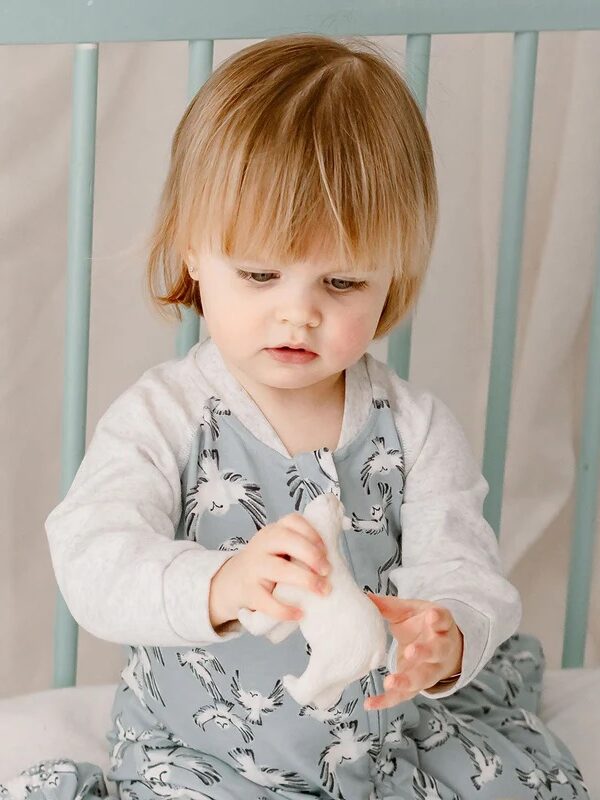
317,253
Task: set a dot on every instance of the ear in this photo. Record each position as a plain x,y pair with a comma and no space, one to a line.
191,263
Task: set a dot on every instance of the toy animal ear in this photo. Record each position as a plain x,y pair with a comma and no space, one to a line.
346,523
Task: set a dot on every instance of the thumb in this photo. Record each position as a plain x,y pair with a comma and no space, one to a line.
395,609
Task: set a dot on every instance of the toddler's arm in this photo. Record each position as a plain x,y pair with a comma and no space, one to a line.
449,552
120,571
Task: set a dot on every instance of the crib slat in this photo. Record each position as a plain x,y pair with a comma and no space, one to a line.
79,253
509,271
200,66
586,499
418,48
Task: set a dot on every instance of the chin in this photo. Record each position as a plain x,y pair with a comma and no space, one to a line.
290,382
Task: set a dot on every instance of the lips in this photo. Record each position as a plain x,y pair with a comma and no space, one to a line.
292,353
292,347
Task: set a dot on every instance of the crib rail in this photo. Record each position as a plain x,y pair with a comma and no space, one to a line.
86,23
45,21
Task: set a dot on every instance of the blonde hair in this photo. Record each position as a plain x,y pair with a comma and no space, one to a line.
289,139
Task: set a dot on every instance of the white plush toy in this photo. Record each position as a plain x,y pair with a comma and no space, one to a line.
344,629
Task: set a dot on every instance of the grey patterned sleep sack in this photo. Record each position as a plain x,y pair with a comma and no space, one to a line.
215,722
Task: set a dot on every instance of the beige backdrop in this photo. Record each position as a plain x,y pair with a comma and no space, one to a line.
142,94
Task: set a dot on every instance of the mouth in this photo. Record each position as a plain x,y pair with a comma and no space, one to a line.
298,346
292,353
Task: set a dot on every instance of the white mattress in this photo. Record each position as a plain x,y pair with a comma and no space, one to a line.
73,722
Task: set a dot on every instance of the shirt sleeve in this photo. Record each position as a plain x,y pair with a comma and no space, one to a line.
120,570
450,553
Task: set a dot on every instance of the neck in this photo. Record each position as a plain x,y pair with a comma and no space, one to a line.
292,412
324,394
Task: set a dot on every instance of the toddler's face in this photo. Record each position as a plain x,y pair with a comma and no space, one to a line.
256,313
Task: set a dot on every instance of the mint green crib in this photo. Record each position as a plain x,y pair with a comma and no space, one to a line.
89,23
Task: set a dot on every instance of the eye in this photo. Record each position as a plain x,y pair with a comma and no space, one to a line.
256,277
343,285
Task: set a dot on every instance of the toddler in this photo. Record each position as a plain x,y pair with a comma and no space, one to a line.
297,218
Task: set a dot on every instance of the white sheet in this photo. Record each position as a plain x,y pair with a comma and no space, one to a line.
73,722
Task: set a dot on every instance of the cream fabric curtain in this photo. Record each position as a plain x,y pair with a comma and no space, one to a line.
142,93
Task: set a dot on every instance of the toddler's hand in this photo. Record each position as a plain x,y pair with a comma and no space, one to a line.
248,578
430,647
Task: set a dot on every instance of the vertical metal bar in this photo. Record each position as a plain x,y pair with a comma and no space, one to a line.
418,48
200,66
79,253
586,498
509,271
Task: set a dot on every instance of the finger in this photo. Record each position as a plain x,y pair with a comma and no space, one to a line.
439,619
280,571
413,680
418,652
409,632
388,699
267,584
430,650
401,689
290,542
301,525
424,651
266,603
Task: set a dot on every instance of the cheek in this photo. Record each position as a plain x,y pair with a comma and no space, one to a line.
210,307
354,330
223,308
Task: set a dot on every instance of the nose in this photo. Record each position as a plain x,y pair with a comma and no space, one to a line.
300,310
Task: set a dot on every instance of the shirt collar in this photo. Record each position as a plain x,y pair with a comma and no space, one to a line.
357,399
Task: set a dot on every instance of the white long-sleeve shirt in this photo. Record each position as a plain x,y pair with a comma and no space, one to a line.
126,579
